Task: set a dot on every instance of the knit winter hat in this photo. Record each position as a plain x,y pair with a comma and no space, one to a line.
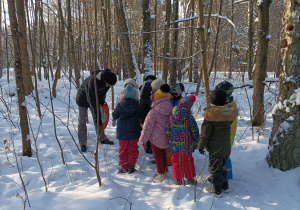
129,92
130,81
162,92
177,90
151,77
218,97
108,76
188,101
156,84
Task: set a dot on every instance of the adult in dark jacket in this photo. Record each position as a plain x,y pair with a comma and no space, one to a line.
86,98
215,137
145,101
128,113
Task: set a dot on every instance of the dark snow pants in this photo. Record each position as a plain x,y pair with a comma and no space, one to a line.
218,172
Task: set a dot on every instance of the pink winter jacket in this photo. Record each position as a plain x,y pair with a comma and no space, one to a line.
154,125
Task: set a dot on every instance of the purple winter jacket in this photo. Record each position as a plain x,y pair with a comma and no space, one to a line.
154,125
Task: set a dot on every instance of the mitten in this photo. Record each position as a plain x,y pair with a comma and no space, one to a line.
202,151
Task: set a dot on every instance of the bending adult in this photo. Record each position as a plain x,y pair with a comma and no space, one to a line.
86,98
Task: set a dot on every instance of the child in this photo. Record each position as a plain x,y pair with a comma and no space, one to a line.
215,137
182,138
128,113
156,84
121,96
154,130
145,102
176,93
228,88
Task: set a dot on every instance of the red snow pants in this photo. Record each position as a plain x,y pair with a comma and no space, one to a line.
160,156
183,166
128,152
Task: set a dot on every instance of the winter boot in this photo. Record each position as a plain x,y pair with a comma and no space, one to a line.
122,171
225,187
106,141
131,168
192,182
177,182
83,148
160,177
218,191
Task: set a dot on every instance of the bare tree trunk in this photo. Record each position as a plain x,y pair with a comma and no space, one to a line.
37,99
261,62
61,48
173,62
203,53
284,150
155,38
191,41
126,43
147,46
6,43
73,63
250,38
19,78
216,40
167,41
23,47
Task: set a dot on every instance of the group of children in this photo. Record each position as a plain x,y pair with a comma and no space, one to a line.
168,127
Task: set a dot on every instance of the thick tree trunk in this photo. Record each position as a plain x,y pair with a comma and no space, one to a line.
126,42
23,47
147,46
192,41
250,38
19,79
203,53
166,48
284,150
174,62
261,62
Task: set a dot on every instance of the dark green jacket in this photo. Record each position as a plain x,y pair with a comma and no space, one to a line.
215,130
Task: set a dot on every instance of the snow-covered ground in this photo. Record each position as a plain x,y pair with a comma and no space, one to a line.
74,185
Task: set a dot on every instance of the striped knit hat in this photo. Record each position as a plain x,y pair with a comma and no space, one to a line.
188,101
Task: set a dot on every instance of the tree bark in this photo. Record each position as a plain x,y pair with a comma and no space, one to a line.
173,63
14,26
147,46
166,49
126,42
250,38
23,47
284,143
261,62
203,54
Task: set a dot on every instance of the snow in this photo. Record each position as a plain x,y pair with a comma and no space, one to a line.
74,186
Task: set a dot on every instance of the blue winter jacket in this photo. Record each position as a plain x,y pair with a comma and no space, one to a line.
128,113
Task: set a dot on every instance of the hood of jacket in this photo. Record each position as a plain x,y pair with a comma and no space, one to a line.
221,113
163,106
129,105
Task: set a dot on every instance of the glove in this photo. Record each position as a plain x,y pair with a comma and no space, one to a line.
202,151
113,123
